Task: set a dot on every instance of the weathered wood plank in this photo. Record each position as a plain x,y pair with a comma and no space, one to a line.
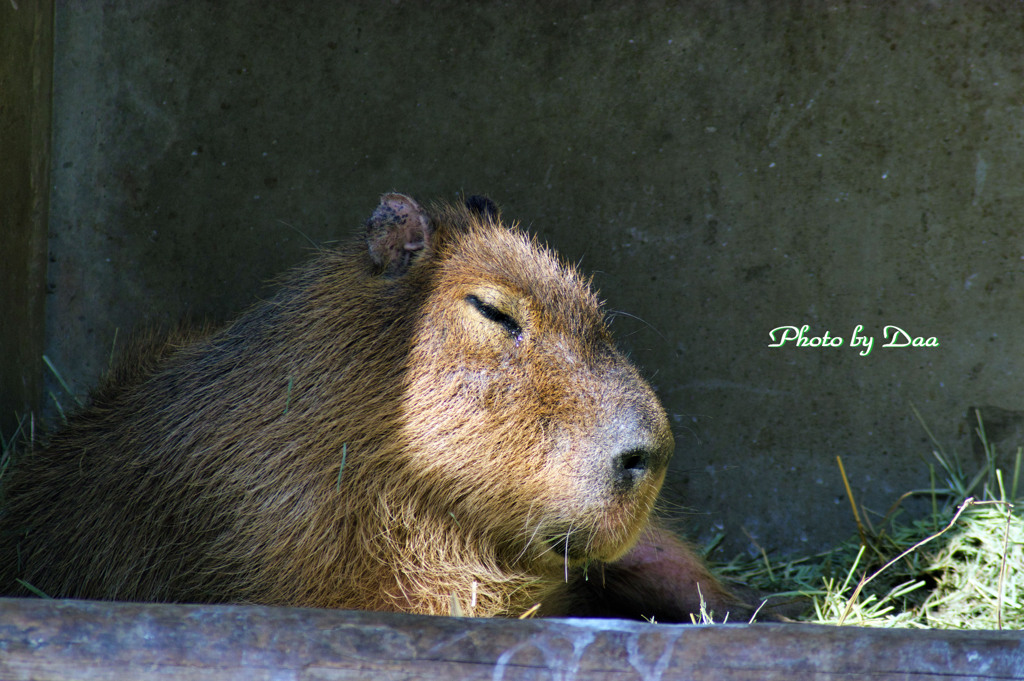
43,640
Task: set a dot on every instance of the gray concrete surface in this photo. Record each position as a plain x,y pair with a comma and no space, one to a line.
724,168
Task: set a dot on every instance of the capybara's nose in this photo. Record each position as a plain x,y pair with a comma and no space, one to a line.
639,460
630,467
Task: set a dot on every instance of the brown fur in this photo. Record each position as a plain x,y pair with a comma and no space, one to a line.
433,419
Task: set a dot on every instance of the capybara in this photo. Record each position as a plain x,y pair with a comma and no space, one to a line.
432,418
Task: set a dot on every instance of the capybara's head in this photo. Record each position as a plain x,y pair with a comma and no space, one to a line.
524,422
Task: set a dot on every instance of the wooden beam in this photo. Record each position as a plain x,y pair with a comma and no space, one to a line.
47,639
26,70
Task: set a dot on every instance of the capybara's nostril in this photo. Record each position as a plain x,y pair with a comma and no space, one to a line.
630,467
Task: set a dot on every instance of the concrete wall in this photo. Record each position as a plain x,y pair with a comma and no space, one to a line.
725,168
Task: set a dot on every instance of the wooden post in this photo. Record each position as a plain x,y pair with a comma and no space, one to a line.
26,70
47,639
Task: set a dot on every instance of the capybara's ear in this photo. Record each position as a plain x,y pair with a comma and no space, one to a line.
398,229
483,206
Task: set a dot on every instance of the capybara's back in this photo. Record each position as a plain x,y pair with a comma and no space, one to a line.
432,418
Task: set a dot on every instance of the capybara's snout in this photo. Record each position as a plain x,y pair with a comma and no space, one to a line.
633,446
618,464
635,465
634,436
